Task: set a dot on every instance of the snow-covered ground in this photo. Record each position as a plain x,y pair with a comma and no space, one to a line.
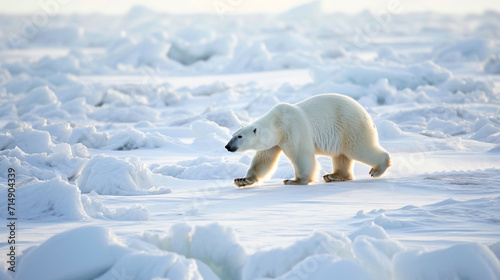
115,130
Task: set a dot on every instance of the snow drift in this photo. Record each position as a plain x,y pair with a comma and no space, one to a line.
213,252
114,176
94,108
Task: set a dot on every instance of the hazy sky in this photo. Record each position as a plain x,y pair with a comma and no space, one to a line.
246,6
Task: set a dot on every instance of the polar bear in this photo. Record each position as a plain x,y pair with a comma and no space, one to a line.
328,124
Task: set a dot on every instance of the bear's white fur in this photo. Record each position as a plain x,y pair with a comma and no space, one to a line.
328,124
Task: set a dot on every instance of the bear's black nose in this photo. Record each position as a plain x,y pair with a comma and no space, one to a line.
231,148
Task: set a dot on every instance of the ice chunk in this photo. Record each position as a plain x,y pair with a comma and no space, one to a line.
485,130
308,11
278,261
59,131
207,90
223,117
149,52
29,140
254,58
39,96
193,44
114,176
218,247
96,209
327,267
467,85
371,230
213,244
24,83
93,95
468,49
132,138
448,127
388,130
399,75
142,265
54,199
82,253
201,129
463,261
65,64
89,136
63,160
60,36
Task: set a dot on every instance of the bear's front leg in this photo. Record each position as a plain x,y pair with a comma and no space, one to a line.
304,165
243,182
263,163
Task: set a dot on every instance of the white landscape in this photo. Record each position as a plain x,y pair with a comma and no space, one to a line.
114,128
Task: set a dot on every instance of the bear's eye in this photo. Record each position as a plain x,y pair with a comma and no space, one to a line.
239,136
254,130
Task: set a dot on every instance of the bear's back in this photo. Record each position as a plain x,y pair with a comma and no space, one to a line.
335,119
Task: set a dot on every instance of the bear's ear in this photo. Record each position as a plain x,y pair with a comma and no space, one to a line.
255,130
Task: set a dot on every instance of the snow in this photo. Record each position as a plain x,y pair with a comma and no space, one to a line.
193,44
213,252
147,52
223,254
155,266
53,199
407,76
96,209
115,176
116,126
203,168
450,263
65,161
470,49
492,66
99,250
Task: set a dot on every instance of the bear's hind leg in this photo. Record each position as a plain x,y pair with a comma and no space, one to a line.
378,170
376,157
342,169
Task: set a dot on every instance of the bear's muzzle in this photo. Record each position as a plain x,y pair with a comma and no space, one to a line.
231,146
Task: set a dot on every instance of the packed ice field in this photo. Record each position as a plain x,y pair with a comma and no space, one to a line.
115,127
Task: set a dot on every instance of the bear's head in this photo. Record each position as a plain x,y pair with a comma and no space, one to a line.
251,137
